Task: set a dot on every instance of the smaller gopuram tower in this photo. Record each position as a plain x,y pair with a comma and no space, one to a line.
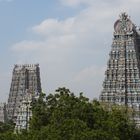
25,77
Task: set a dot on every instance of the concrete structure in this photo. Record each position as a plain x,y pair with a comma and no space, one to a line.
122,77
3,112
25,77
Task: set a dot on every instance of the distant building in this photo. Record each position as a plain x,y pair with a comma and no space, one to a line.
3,112
122,77
25,77
24,112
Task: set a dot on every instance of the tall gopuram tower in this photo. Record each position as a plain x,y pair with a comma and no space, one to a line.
122,77
25,77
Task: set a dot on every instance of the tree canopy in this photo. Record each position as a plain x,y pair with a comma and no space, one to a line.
64,116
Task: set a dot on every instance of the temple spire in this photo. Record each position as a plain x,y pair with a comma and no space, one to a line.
122,77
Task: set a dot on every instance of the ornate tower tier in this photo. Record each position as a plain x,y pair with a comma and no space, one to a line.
122,77
25,77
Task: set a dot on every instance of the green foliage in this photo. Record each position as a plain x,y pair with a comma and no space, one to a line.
8,136
6,131
63,116
39,118
6,127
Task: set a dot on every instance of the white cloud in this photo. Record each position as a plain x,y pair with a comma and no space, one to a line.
5,80
54,27
77,2
112,4
27,45
74,51
90,77
71,2
89,73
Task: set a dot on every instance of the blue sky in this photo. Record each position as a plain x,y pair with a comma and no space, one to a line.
70,39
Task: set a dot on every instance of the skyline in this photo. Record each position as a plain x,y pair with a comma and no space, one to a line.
70,39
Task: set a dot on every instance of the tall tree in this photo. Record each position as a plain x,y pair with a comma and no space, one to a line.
65,116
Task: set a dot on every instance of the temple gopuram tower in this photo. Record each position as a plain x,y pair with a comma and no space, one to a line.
122,76
25,77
